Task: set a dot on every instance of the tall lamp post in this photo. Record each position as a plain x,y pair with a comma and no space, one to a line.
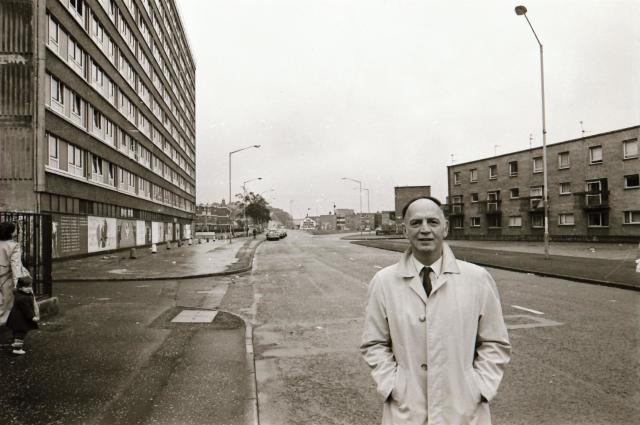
368,209
522,11
291,211
360,193
244,202
231,153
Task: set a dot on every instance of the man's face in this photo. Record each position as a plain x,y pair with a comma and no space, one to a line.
425,228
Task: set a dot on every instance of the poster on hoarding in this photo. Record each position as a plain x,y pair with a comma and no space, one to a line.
168,232
187,231
157,232
147,232
102,234
69,235
141,233
126,233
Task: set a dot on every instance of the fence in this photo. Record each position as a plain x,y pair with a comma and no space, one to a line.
34,236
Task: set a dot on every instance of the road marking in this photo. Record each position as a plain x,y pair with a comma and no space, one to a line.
527,309
378,267
523,321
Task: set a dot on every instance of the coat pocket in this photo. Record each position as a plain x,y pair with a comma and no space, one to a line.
399,391
474,390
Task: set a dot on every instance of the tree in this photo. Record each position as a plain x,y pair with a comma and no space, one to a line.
255,207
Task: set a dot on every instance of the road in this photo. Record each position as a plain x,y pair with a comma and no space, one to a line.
575,346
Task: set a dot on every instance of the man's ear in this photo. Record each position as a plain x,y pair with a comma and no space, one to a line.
446,229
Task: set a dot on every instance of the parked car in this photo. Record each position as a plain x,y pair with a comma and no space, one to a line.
273,235
282,233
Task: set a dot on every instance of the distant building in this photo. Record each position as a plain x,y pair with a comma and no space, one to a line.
345,219
212,218
97,121
385,221
368,221
327,222
594,192
308,224
404,194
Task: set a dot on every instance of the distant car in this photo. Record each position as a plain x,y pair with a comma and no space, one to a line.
273,235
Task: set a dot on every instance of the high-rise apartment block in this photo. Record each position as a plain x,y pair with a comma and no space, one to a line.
593,192
97,120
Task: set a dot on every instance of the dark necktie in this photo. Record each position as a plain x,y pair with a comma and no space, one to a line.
426,280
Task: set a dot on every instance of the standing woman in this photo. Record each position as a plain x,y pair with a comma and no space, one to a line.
10,268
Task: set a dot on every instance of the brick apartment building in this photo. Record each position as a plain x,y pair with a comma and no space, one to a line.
97,120
593,193
212,218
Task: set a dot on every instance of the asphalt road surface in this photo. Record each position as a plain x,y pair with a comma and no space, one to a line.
575,355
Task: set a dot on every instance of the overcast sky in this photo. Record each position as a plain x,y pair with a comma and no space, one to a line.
385,91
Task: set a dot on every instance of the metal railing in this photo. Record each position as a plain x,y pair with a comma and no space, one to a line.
34,236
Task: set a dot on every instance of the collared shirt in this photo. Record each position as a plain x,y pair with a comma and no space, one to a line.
436,267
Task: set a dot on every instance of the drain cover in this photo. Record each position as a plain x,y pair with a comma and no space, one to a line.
195,316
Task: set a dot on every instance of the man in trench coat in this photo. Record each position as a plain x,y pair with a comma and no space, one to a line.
436,359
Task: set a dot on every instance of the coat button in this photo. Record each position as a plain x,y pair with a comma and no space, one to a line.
422,318
424,366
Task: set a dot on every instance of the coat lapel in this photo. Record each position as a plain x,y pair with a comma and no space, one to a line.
407,271
449,266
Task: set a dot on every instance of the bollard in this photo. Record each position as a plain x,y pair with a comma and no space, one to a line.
180,243
189,242
199,241
168,245
207,240
154,248
132,254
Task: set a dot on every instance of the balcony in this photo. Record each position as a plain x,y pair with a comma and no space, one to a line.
536,205
456,210
492,207
593,200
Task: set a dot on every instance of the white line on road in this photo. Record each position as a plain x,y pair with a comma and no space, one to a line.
378,267
527,309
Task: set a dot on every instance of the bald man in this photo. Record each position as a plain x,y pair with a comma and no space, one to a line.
434,335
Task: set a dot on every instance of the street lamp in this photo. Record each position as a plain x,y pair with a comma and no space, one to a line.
231,153
291,211
360,193
244,202
522,11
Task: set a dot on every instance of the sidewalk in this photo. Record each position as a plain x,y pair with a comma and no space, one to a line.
198,260
115,355
602,264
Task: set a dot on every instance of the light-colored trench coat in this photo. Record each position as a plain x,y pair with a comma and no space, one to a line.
440,358
10,271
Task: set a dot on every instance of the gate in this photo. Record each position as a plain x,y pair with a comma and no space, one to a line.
34,236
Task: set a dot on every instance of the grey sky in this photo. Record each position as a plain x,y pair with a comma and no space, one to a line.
384,91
